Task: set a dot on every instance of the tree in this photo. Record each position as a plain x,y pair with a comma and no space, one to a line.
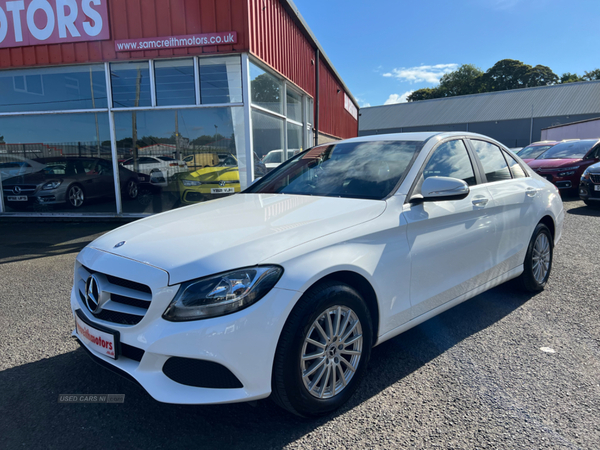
463,81
423,94
1,139
265,91
540,76
569,77
593,75
506,74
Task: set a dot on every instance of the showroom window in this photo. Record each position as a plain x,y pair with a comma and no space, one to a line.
58,88
281,118
179,133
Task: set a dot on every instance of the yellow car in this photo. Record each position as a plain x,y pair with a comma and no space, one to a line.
210,182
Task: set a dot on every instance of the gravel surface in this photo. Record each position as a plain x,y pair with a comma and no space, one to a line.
473,377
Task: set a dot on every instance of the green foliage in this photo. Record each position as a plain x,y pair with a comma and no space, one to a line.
505,74
1,139
423,94
592,75
569,77
463,81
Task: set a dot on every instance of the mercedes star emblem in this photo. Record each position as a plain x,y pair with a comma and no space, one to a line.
17,190
92,293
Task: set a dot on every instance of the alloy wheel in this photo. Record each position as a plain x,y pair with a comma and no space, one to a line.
541,257
76,196
331,352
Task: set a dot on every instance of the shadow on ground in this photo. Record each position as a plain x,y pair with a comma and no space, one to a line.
20,241
30,415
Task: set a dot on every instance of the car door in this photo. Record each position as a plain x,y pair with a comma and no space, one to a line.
450,241
514,194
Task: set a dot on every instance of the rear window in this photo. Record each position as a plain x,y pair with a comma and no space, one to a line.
367,170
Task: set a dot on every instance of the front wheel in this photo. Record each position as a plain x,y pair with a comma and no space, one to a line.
538,260
323,350
75,196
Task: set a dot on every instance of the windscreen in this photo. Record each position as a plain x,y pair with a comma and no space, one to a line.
533,152
568,150
367,170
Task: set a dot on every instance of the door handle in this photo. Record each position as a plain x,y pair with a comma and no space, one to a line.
480,201
531,192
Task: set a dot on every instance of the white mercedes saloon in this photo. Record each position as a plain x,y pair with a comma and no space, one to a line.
283,289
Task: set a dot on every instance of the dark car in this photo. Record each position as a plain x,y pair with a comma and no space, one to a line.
589,185
564,163
69,180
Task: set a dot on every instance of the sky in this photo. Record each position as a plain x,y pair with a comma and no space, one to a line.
385,49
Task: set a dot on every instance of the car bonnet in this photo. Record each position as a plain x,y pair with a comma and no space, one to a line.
237,231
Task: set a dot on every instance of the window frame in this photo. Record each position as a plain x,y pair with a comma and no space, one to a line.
503,151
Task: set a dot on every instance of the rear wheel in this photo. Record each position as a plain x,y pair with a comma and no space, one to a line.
131,190
538,260
323,350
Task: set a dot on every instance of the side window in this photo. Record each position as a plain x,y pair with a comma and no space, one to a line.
516,170
451,159
494,164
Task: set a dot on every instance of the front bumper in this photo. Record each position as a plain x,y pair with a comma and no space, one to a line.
244,342
587,190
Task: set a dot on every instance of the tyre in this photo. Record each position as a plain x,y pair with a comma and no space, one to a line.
131,190
538,260
323,350
75,196
591,203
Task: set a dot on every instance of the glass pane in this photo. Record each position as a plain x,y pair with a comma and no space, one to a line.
57,163
516,170
493,162
130,84
175,82
294,106
221,80
267,139
185,156
451,159
368,170
58,88
311,111
265,90
294,139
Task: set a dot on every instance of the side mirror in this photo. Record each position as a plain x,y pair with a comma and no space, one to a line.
444,188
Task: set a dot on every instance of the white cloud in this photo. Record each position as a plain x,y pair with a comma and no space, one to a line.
365,105
395,98
423,73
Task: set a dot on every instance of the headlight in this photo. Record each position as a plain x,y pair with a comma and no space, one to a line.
566,174
223,294
51,185
191,183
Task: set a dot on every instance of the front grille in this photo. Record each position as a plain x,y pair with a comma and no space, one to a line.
595,177
25,189
128,301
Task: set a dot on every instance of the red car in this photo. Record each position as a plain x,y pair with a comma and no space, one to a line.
564,163
535,149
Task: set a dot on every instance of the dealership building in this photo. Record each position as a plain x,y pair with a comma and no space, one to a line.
128,108
514,117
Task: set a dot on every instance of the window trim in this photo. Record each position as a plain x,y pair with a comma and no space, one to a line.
418,181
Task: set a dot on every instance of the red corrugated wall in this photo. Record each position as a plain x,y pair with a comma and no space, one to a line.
276,40
130,19
263,27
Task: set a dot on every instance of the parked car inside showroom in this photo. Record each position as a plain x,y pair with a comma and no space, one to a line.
215,181
564,163
68,180
166,165
589,185
283,289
